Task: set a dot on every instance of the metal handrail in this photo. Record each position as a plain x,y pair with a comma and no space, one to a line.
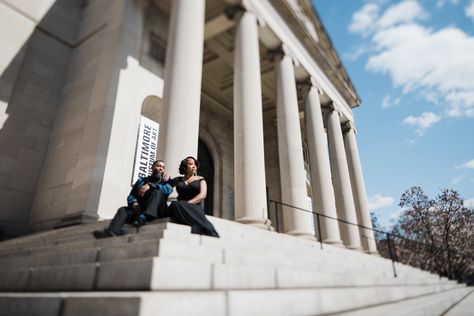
390,236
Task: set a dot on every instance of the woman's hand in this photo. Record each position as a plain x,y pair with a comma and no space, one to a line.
201,195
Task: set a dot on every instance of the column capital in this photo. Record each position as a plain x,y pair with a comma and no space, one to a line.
308,83
316,85
274,54
330,106
304,86
349,126
290,54
233,12
279,52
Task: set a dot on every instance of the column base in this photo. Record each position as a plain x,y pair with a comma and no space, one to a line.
262,223
373,253
334,242
302,234
355,248
370,248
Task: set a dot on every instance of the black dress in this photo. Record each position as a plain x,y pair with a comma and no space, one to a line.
183,212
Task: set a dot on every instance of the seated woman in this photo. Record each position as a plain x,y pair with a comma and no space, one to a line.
192,190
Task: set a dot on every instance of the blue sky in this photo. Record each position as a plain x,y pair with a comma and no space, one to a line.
412,63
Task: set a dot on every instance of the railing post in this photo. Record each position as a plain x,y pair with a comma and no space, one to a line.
319,230
393,249
389,243
276,217
450,267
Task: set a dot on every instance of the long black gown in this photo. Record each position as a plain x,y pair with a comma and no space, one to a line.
183,212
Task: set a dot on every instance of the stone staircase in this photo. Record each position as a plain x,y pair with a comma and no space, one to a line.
163,269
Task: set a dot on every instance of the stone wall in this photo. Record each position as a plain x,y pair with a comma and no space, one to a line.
38,39
71,180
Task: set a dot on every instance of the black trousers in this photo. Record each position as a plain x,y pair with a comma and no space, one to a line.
183,212
152,204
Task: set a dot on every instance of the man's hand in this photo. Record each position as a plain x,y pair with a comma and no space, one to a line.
136,208
165,176
143,189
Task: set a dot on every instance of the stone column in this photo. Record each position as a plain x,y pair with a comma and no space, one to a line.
320,168
290,149
358,189
179,122
249,160
342,183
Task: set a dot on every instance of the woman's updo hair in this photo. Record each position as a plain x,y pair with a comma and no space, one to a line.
184,163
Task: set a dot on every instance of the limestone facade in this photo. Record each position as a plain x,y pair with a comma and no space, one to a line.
233,82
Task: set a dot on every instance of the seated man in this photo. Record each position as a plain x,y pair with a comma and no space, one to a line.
146,202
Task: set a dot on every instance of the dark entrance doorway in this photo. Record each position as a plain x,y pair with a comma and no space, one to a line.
206,169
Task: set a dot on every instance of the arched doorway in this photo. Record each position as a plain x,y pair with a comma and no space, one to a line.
147,137
151,108
206,169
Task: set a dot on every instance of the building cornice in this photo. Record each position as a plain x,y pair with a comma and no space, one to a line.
338,65
321,48
306,50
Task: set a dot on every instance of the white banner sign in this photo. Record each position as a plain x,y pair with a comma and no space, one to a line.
145,153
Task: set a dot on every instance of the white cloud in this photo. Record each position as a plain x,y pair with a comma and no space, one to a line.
416,57
368,20
410,140
436,64
356,53
441,3
396,214
388,102
457,179
470,10
363,21
461,103
378,201
403,12
469,203
422,122
467,165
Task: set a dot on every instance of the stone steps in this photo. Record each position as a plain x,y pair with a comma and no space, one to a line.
61,271
464,307
428,305
230,302
152,242
235,237
296,245
77,235
155,266
51,235
104,248
18,268
232,250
